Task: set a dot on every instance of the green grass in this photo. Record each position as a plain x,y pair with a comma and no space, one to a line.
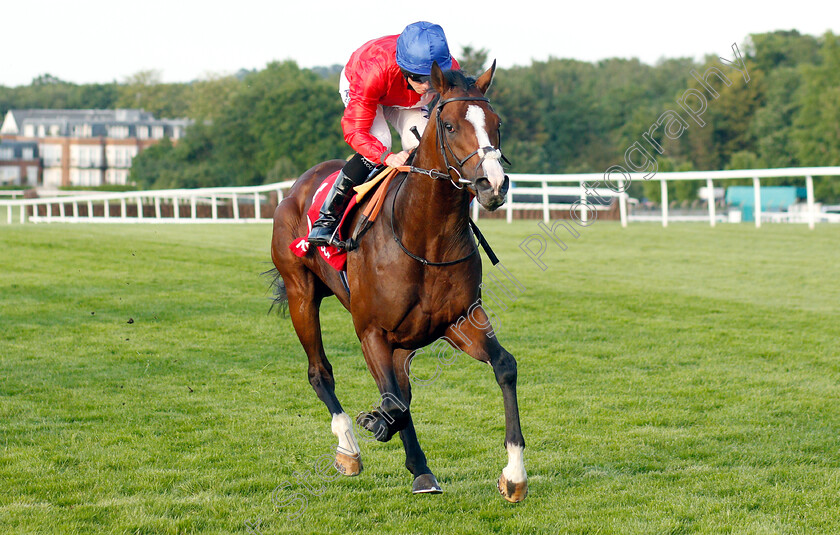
679,380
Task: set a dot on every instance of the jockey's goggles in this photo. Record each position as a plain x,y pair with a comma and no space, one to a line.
419,78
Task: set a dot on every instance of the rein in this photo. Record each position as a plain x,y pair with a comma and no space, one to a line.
420,259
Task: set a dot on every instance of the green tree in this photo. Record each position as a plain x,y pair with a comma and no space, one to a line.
782,55
207,98
281,120
816,132
473,61
558,115
772,124
144,90
772,50
47,91
727,117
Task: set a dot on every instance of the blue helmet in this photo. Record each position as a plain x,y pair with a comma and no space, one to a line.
421,44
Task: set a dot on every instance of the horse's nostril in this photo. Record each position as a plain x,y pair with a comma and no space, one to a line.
505,186
482,183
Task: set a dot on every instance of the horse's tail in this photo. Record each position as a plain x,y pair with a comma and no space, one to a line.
278,288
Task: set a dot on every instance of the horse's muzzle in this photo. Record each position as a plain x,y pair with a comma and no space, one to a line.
489,198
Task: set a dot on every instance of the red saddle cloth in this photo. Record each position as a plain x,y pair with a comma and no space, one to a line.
334,256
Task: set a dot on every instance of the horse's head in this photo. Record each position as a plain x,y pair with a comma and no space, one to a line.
468,134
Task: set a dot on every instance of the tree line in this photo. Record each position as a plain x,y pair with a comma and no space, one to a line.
559,116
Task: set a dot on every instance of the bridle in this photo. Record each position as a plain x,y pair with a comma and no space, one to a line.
397,239
459,182
443,146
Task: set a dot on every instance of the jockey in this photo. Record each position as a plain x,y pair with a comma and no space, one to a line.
385,81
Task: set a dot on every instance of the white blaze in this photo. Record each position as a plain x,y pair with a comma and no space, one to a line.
342,427
492,165
515,469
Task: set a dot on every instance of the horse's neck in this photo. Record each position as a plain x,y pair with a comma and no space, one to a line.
433,214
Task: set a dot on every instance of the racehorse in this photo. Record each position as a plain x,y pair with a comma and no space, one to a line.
410,280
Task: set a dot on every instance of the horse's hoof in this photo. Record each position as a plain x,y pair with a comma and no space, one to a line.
376,424
512,492
349,465
425,484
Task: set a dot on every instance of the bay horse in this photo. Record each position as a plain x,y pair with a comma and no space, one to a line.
409,281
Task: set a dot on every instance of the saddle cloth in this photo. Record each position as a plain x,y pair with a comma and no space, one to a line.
334,256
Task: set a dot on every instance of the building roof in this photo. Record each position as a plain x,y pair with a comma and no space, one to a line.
97,120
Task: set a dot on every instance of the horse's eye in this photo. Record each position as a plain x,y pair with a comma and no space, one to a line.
449,127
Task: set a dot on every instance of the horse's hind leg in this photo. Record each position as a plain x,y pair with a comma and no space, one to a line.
392,413
304,308
415,459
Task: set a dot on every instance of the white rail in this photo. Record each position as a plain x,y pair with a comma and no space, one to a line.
810,216
152,206
187,205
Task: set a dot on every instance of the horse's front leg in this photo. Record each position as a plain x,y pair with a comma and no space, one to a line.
415,459
471,336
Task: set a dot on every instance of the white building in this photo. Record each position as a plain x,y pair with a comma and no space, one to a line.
87,147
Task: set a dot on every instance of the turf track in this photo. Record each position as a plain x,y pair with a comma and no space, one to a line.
679,380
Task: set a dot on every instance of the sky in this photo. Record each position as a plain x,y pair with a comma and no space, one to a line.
87,41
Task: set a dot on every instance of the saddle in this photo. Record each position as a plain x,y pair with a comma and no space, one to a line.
337,256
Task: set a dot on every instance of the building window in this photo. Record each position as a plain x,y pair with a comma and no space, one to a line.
120,157
82,130
29,130
7,154
52,155
32,176
55,130
86,177
157,132
96,156
118,132
10,174
143,132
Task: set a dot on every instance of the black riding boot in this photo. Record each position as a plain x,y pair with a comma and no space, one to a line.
354,173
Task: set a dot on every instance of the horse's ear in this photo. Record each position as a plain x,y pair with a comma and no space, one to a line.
484,81
438,80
